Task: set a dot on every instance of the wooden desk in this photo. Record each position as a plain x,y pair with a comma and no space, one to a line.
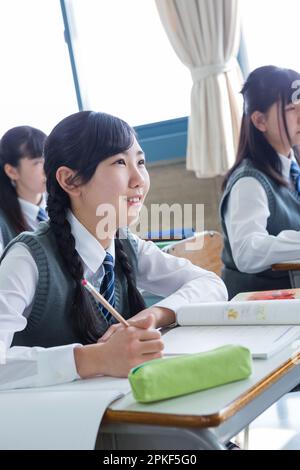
293,267
203,420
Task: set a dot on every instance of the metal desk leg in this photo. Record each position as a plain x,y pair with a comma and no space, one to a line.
294,278
136,437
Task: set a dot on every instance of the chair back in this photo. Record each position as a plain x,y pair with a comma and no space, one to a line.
203,249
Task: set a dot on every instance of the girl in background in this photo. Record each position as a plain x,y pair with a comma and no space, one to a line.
260,208
22,182
94,165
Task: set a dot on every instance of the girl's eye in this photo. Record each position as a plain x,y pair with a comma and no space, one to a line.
142,162
120,162
290,108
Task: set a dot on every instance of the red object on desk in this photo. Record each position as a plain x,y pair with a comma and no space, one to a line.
273,295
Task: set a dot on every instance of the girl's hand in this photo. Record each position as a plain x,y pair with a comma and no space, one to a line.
123,350
131,346
160,317
136,321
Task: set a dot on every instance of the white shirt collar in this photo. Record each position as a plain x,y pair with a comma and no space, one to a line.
88,247
286,164
30,210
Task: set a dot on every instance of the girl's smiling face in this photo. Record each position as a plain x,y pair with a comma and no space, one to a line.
116,192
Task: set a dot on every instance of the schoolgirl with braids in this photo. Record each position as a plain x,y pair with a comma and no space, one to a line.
96,182
260,208
22,182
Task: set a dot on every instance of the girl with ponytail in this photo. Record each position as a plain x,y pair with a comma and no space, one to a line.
96,183
22,182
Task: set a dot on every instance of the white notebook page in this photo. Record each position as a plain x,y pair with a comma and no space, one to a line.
263,340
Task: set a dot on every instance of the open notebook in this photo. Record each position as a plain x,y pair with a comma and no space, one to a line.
264,327
263,341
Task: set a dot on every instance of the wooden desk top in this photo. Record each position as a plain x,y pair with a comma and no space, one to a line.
286,266
208,408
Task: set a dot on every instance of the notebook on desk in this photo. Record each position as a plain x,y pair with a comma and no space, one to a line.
263,341
264,327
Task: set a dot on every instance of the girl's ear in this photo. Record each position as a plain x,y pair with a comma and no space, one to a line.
259,121
64,177
11,171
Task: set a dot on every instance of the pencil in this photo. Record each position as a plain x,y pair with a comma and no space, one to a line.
104,302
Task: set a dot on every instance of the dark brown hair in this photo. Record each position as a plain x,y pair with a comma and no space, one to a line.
17,143
80,142
264,87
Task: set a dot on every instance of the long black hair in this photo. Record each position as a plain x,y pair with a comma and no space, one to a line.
17,143
264,87
80,142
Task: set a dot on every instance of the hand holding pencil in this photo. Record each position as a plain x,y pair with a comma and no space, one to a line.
127,344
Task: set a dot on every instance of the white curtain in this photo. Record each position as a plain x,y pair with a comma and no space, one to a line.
205,35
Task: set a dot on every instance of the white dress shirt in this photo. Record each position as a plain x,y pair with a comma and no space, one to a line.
160,273
30,212
253,248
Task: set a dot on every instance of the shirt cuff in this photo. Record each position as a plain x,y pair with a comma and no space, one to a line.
56,365
173,302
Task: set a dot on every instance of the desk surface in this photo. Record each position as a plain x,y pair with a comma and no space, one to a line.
210,408
287,266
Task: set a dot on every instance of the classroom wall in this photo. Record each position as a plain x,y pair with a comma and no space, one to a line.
172,183
164,144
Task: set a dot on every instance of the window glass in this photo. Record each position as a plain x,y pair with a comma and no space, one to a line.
36,81
271,31
125,63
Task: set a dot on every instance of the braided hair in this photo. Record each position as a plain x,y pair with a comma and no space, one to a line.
17,143
135,299
80,142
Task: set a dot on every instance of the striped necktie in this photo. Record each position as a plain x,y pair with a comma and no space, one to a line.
107,288
42,215
295,175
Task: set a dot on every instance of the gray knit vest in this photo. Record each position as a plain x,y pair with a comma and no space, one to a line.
50,323
284,207
8,233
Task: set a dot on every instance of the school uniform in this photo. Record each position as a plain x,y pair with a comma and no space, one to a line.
43,301
31,215
261,226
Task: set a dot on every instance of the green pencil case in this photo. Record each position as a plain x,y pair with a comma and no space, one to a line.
171,377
